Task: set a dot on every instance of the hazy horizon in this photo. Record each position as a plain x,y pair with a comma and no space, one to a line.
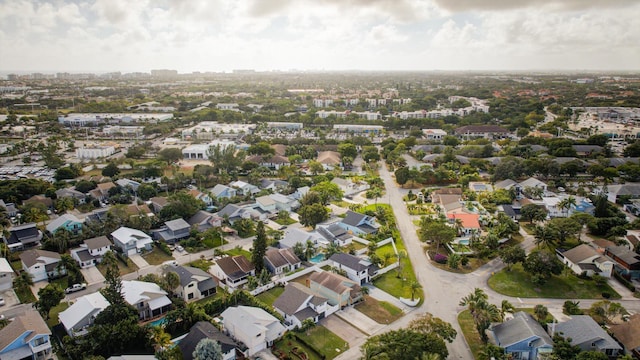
100,36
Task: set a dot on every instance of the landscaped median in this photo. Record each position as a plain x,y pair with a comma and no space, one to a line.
518,283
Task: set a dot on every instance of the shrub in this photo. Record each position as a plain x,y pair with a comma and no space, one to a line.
624,281
164,248
440,259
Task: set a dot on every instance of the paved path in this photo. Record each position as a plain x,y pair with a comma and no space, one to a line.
359,320
380,295
140,262
346,331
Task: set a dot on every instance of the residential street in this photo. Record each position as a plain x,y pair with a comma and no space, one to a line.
443,290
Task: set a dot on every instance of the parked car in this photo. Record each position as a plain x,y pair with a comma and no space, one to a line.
180,248
1,301
75,287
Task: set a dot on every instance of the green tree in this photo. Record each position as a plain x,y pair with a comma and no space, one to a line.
564,228
160,338
562,348
84,186
348,149
512,255
315,167
172,280
259,247
113,289
415,288
592,355
181,205
533,213
110,170
435,231
483,312
403,344
571,308
402,176
327,191
541,312
492,352
545,236
225,159
261,148
170,155
207,349
48,298
311,215
607,311
427,323
542,265
147,191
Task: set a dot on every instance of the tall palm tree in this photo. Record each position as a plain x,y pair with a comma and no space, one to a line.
458,226
566,204
24,279
544,236
159,337
506,307
481,310
309,250
415,288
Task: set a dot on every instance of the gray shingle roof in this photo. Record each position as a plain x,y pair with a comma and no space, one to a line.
204,330
97,242
583,329
350,261
522,327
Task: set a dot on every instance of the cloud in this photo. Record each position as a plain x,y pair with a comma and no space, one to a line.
561,5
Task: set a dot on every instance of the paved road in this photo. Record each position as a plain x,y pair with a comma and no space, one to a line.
443,290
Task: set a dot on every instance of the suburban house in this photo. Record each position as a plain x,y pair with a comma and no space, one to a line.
147,298
627,262
357,269
206,330
628,334
23,237
359,224
506,184
349,187
273,162
283,202
78,317
204,220
521,337
339,290
329,159
244,188
254,327
139,210
335,234
68,222
39,199
10,208
101,192
628,190
71,193
530,183
297,303
281,261
274,185
266,204
482,131
199,195
173,231
91,251
128,184
131,241
234,212
587,150
223,192
6,275
233,271
295,236
27,336
158,203
195,284
586,334
42,264
300,192
583,259
470,223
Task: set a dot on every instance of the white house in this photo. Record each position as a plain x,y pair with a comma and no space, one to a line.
42,264
95,152
131,241
298,303
434,134
91,251
6,275
266,204
146,297
244,188
81,315
233,271
585,259
254,327
195,284
356,269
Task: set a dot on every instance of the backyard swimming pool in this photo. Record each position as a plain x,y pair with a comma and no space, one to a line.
159,322
318,258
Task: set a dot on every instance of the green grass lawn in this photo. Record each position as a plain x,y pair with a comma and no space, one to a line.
287,221
53,313
156,256
238,251
380,311
269,297
325,341
202,264
25,295
286,344
468,327
62,282
391,283
212,243
122,267
565,286
16,265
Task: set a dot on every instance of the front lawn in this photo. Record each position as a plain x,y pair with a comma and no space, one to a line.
269,297
156,256
54,312
202,264
283,349
518,283
548,319
239,251
124,269
380,311
322,339
468,327
284,222
24,294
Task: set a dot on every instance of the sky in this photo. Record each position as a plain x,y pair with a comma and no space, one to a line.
222,35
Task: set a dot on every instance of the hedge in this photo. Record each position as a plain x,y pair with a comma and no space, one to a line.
624,281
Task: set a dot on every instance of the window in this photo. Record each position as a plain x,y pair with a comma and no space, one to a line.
190,296
190,285
39,341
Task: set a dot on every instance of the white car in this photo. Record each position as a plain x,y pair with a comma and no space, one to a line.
1,301
75,287
180,248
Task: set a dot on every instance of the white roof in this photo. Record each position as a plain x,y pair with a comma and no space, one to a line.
88,305
159,302
5,267
54,224
239,184
126,235
265,200
532,182
281,198
136,291
250,321
295,235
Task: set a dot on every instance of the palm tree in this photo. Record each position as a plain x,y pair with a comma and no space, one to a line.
23,280
506,307
387,256
566,204
458,226
309,250
159,337
415,287
541,312
544,236
482,311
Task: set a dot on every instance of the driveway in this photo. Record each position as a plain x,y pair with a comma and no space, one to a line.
344,330
359,320
92,275
380,295
140,262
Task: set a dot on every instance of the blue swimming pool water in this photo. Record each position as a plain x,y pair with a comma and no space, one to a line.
158,322
318,258
464,242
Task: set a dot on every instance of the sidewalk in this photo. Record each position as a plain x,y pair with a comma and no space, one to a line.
621,289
